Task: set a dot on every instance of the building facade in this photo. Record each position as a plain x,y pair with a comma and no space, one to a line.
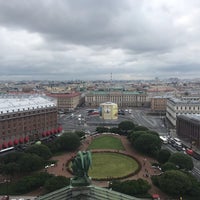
25,120
175,107
188,126
121,98
66,101
158,104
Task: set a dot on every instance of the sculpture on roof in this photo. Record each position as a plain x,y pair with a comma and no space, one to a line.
80,167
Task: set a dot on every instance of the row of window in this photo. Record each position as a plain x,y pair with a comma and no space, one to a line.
14,130
22,114
187,108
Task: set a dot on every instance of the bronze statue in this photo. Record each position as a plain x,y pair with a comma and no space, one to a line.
80,167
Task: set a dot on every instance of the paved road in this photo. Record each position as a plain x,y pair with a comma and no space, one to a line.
154,123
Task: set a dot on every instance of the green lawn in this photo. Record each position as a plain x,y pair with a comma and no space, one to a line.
111,165
106,142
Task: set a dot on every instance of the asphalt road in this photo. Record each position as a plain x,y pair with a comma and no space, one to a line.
73,121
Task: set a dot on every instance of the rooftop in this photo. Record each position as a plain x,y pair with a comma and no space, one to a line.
188,100
195,117
116,92
86,193
15,104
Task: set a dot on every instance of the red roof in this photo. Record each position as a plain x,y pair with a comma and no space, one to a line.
74,94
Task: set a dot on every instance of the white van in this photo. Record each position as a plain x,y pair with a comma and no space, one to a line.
164,139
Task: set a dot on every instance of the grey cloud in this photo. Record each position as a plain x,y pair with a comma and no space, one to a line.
92,38
105,23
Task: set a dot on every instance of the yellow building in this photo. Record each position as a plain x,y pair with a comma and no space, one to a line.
109,110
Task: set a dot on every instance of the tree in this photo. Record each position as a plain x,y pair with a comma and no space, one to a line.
134,135
183,161
11,168
195,189
68,141
54,146
140,128
131,187
11,157
29,183
101,129
153,132
174,182
126,126
80,133
56,183
30,162
114,130
163,156
168,166
148,144
40,150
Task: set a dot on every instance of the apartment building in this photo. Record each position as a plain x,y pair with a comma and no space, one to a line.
158,104
66,101
188,126
121,98
26,119
185,105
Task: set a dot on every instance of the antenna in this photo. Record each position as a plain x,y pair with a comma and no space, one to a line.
110,86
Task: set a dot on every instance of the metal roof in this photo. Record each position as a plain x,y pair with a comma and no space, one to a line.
15,104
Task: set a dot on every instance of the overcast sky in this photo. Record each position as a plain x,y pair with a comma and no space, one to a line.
90,39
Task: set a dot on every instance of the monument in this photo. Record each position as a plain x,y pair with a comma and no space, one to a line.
80,167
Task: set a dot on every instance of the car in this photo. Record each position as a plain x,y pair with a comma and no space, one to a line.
155,197
170,140
121,112
178,148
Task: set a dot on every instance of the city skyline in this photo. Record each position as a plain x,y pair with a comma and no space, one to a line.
90,39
